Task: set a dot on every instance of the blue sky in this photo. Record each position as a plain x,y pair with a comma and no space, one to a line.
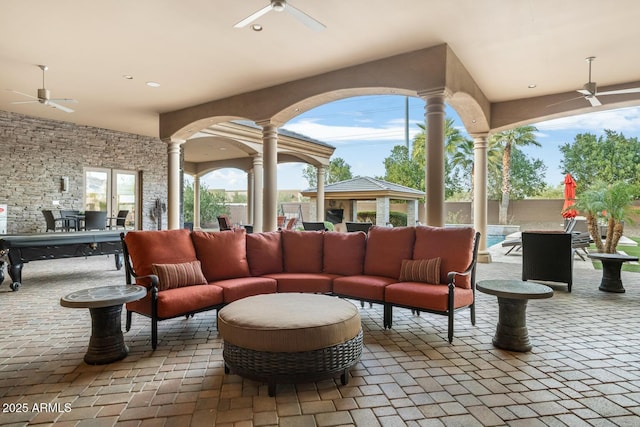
365,129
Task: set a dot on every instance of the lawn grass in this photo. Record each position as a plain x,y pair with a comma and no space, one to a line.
629,250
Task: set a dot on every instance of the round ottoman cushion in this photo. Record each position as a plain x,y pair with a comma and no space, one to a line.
288,322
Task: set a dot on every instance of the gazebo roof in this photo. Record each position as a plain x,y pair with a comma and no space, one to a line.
366,188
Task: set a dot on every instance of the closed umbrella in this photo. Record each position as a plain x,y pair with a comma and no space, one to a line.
569,197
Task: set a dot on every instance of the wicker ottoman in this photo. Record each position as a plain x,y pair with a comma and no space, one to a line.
290,338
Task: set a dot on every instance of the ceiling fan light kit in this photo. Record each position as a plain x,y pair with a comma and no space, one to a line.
282,6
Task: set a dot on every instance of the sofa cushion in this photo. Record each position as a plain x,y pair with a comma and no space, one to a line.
343,253
320,283
172,276
264,253
420,270
386,248
177,302
302,251
242,287
453,245
370,288
223,254
426,296
159,247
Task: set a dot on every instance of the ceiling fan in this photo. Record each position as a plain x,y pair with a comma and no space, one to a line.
279,6
44,96
590,90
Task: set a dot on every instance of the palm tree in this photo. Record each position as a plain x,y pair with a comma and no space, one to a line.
508,139
612,202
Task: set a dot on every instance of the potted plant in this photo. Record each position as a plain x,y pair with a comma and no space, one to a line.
609,204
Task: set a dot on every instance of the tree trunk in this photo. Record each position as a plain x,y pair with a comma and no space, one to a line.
616,235
506,184
594,230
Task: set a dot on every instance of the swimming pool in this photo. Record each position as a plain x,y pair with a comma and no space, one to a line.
494,239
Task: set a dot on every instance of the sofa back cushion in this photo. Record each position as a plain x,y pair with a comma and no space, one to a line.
386,248
223,254
453,245
264,253
158,247
343,253
302,251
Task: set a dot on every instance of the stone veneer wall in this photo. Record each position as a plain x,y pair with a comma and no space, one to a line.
37,153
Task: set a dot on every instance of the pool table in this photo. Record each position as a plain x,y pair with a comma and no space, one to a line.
22,248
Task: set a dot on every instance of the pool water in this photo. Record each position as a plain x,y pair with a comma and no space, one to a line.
493,239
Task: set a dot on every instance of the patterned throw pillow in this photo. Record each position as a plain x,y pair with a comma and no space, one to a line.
420,270
172,276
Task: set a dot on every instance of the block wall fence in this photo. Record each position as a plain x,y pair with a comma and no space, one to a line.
37,153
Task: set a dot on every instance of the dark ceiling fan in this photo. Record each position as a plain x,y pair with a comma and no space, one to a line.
279,6
590,89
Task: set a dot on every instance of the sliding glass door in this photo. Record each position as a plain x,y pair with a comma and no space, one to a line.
112,190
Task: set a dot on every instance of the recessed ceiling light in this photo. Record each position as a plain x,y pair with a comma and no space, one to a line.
532,86
256,27
127,76
153,84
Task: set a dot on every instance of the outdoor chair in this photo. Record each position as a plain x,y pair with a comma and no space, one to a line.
94,220
120,219
547,256
53,223
224,223
291,223
72,218
358,226
516,243
313,226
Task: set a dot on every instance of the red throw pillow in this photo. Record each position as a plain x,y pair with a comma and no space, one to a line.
172,276
264,253
420,270
223,254
344,253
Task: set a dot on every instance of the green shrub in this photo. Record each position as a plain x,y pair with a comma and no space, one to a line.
397,219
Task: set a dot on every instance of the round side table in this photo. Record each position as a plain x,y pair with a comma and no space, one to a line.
611,267
511,332
105,305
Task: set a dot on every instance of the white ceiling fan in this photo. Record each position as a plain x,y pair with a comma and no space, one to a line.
279,6
590,90
44,96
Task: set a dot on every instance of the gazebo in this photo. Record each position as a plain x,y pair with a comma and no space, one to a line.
345,195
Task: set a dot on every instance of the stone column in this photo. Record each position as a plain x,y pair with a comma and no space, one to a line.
250,194
196,202
480,194
434,157
270,184
382,211
412,213
173,187
258,206
320,194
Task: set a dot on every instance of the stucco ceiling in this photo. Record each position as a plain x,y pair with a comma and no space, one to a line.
191,48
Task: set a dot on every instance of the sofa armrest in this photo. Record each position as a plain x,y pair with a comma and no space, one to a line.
471,269
130,274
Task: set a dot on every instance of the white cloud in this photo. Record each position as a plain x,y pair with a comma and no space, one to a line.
391,131
225,178
624,120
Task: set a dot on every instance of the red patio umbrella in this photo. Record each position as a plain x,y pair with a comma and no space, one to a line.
569,197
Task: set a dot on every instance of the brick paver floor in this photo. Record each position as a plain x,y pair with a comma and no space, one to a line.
584,368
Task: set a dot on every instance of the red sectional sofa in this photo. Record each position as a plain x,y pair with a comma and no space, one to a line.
421,268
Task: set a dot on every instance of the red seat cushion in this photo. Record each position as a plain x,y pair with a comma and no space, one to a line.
264,253
370,288
304,282
454,246
386,248
302,251
179,301
427,296
242,287
223,254
343,253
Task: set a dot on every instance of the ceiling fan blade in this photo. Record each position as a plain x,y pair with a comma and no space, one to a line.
59,107
64,100
620,91
593,100
23,94
25,102
304,18
249,19
584,92
564,102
